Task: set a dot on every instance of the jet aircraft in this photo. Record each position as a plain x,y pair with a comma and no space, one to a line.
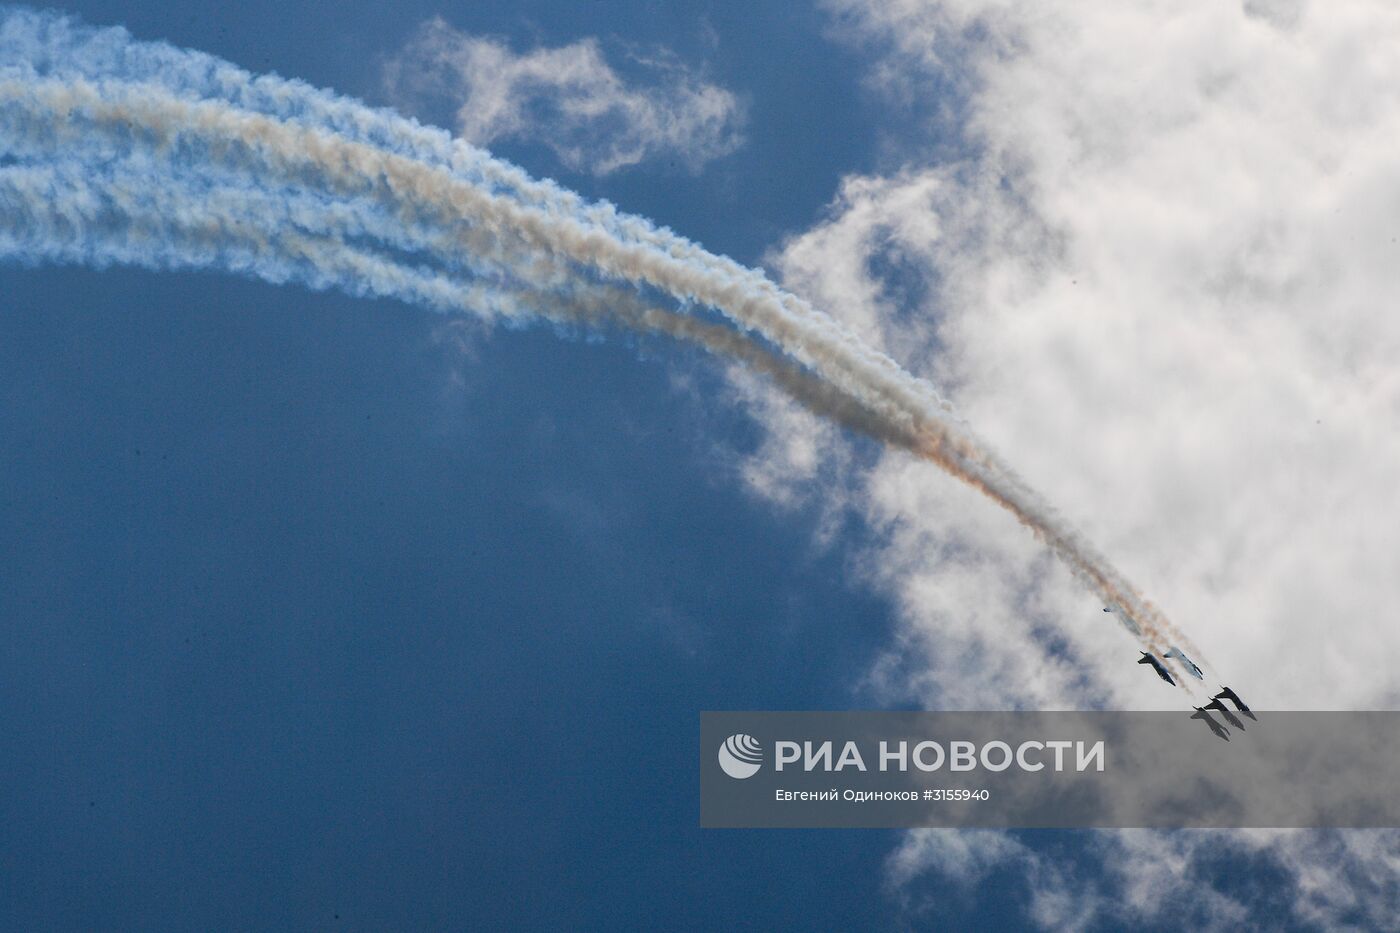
1230,717
1234,698
1215,727
1186,662
1128,623
1157,666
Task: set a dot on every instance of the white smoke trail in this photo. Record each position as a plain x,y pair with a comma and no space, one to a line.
67,92
64,213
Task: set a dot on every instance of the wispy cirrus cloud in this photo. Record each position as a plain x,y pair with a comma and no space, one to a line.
569,98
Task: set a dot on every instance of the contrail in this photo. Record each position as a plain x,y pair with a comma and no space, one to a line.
314,188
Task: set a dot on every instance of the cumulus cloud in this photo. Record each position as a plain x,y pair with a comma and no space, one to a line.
1198,879
569,99
1160,281
1159,276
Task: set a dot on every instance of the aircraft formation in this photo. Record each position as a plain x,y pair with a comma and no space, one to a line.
1202,713
1216,703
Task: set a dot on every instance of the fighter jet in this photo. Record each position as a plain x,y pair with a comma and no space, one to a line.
1230,717
1128,623
1215,727
1157,666
1234,698
1190,665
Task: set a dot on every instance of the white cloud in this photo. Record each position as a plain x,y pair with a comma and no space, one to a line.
1163,283
1164,880
569,99
963,856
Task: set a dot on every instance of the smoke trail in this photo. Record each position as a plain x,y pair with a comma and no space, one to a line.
353,176
303,239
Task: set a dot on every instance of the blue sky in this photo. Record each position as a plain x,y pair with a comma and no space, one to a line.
298,629
331,612
300,625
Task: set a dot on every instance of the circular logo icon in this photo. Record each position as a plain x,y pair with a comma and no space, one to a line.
740,756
